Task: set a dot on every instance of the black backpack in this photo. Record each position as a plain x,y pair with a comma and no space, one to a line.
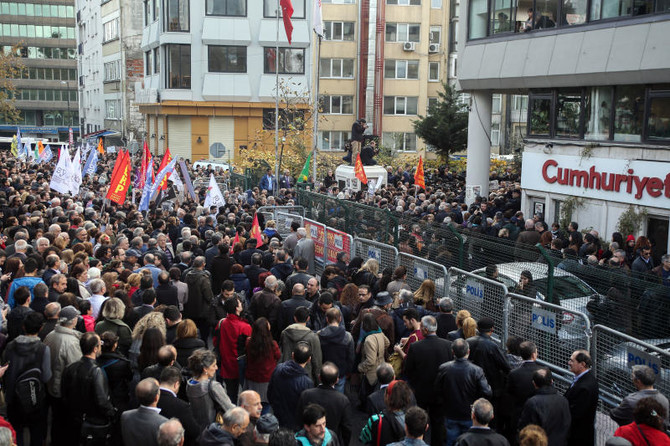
29,390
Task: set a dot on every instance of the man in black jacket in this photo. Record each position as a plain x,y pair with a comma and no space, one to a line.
446,321
337,346
337,406
583,399
166,293
421,365
459,383
547,409
85,391
520,383
480,433
200,297
173,407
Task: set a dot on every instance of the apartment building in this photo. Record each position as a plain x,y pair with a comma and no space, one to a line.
211,72
42,34
111,67
597,76
385,61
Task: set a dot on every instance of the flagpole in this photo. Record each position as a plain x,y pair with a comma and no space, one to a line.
276,101
316,106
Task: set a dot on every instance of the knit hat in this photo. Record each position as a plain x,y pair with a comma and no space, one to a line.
485,324
67,314
267,424
630,238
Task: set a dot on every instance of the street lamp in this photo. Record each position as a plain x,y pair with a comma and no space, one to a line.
67,92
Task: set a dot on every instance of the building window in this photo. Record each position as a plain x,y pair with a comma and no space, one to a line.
113,109
112,71
177,15
287,119
520,102
568,114
337,68
436,4
148,62
337,105
628,113
400,105
110,30
402,142
339,2
658,121
401,69
495,134
291,61
235,8
496,103
539,114
178,66
453,65
435,35
332,140
403,32
148,12
404,2
339,31
434,71
157,61
270,9
432,102
227,59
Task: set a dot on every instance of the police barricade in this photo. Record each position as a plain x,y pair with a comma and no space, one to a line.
481,297
278,214
420,269
557,331
614,355
317,232
283,222
386,255
338,241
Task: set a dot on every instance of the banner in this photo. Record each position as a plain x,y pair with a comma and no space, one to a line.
256,231
47,154
75,173
337,241
146,190
91,164
214,196
60,180
119,185
187,180
317,232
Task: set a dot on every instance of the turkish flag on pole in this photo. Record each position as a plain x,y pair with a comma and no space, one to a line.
418,175
287,13
256,232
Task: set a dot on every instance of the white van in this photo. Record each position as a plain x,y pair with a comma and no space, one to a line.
213,164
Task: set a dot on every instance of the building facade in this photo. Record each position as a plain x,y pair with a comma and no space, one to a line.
597,76
111,66
42,34
385,61
210,72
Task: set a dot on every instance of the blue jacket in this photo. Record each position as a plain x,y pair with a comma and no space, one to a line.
29,282
287,383
268,183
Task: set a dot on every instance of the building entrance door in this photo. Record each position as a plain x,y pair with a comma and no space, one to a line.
657,232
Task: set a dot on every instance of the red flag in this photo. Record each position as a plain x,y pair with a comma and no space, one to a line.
256,232
146,160
418,175
359,171
100,148
164,162
235,241
287,13
118,187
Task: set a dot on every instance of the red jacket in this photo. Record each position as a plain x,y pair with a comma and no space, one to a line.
631,432
232,332
260,370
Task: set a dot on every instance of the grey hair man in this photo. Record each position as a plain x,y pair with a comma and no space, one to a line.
171,433
446,321
643,378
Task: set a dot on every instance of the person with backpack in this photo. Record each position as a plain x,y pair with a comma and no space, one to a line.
389,425
86,396
25,381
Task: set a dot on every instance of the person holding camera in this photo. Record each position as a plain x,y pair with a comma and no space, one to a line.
368,153
357,138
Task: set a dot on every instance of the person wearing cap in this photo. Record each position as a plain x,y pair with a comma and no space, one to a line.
382,304
486,353
265,427
132,256
64,343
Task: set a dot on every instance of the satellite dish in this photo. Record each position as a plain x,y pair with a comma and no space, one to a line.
217,150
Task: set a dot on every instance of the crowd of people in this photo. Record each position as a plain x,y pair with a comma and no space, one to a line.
188,325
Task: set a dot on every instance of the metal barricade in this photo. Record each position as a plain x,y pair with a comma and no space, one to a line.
283,216
481,297
386,255
338,241
420,269
557,331
317,232
283,222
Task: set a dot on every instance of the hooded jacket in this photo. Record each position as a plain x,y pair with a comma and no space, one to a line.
337,346
282,270
215,435
23,353
287,383
295,333
200,294
330,439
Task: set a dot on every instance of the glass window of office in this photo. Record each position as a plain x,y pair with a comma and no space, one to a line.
235,8
404,2
401,69
433,71
539,115
337,68
400,105
568,114
403,32
502,16
177,15
402,142
333,140
270,9
157,60
148,62
628,113
658,121
496,103
435,35
598,113
340,2
339,30
291,61
337,105
178,66
495,133
227,59
437,4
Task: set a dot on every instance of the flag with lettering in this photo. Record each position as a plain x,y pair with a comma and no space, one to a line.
91,164
256,232
47,155
75,173
146,190
418,175
118,187
60,179
359,171
287,13
214,196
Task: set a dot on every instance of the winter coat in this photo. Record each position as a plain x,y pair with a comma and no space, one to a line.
202,404
260,369
220,270
290,337
64,345
282,270
230,339
119,328
287,383
119,374
337,346
373,351
265,303
215,435
200,296
551,412
242,284
185,348
23,353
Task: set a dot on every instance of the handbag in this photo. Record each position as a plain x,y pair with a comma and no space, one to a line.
93,434
218,418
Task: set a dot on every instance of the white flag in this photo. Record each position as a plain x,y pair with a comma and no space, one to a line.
317,18
214,196
75,173
177,181
60,180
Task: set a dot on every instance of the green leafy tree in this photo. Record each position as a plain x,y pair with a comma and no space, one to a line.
10,69
446,125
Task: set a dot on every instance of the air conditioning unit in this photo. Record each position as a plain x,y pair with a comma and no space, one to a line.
434,48
408,46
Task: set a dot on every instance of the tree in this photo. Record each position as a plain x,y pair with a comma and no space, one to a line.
10,69
446,125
